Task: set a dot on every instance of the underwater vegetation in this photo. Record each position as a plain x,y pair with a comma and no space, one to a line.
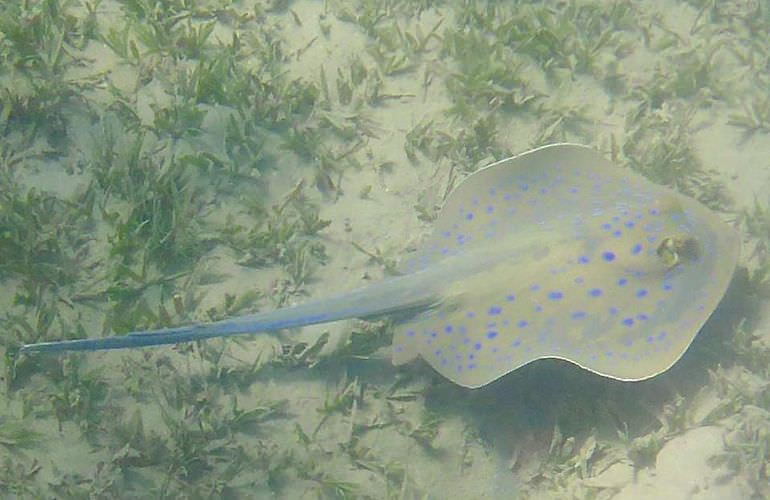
170,161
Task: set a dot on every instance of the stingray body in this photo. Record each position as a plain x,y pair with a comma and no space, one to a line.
554,253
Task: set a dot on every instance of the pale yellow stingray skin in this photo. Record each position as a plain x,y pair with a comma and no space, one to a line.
554,253
557,253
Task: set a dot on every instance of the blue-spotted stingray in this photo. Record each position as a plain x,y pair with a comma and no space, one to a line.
554,253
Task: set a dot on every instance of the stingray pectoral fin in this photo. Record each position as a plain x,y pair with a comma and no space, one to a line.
404,337
404,351
410,332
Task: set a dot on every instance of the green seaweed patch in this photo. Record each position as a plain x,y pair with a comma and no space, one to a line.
754,118
659,145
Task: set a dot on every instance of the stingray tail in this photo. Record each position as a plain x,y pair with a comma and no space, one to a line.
165,336
388,296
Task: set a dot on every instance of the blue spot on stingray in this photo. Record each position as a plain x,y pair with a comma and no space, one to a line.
510,298
607,226
617,234
662,335
667,287
490,209
637,249
491,335
608,256
477,346
471,366
469,216
524,187
495,310
522,324
628,321
573,190
433,334
641,293
650,339
516,343
578,315
583,259
654,211
448,329
555,295
595,292
410,333
622,281
507,196
534,288
614,310
642,317
630,224
460,239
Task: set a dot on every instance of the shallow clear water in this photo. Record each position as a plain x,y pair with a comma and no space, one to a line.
165,163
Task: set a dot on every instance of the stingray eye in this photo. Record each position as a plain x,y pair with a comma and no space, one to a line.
674,249
667,253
